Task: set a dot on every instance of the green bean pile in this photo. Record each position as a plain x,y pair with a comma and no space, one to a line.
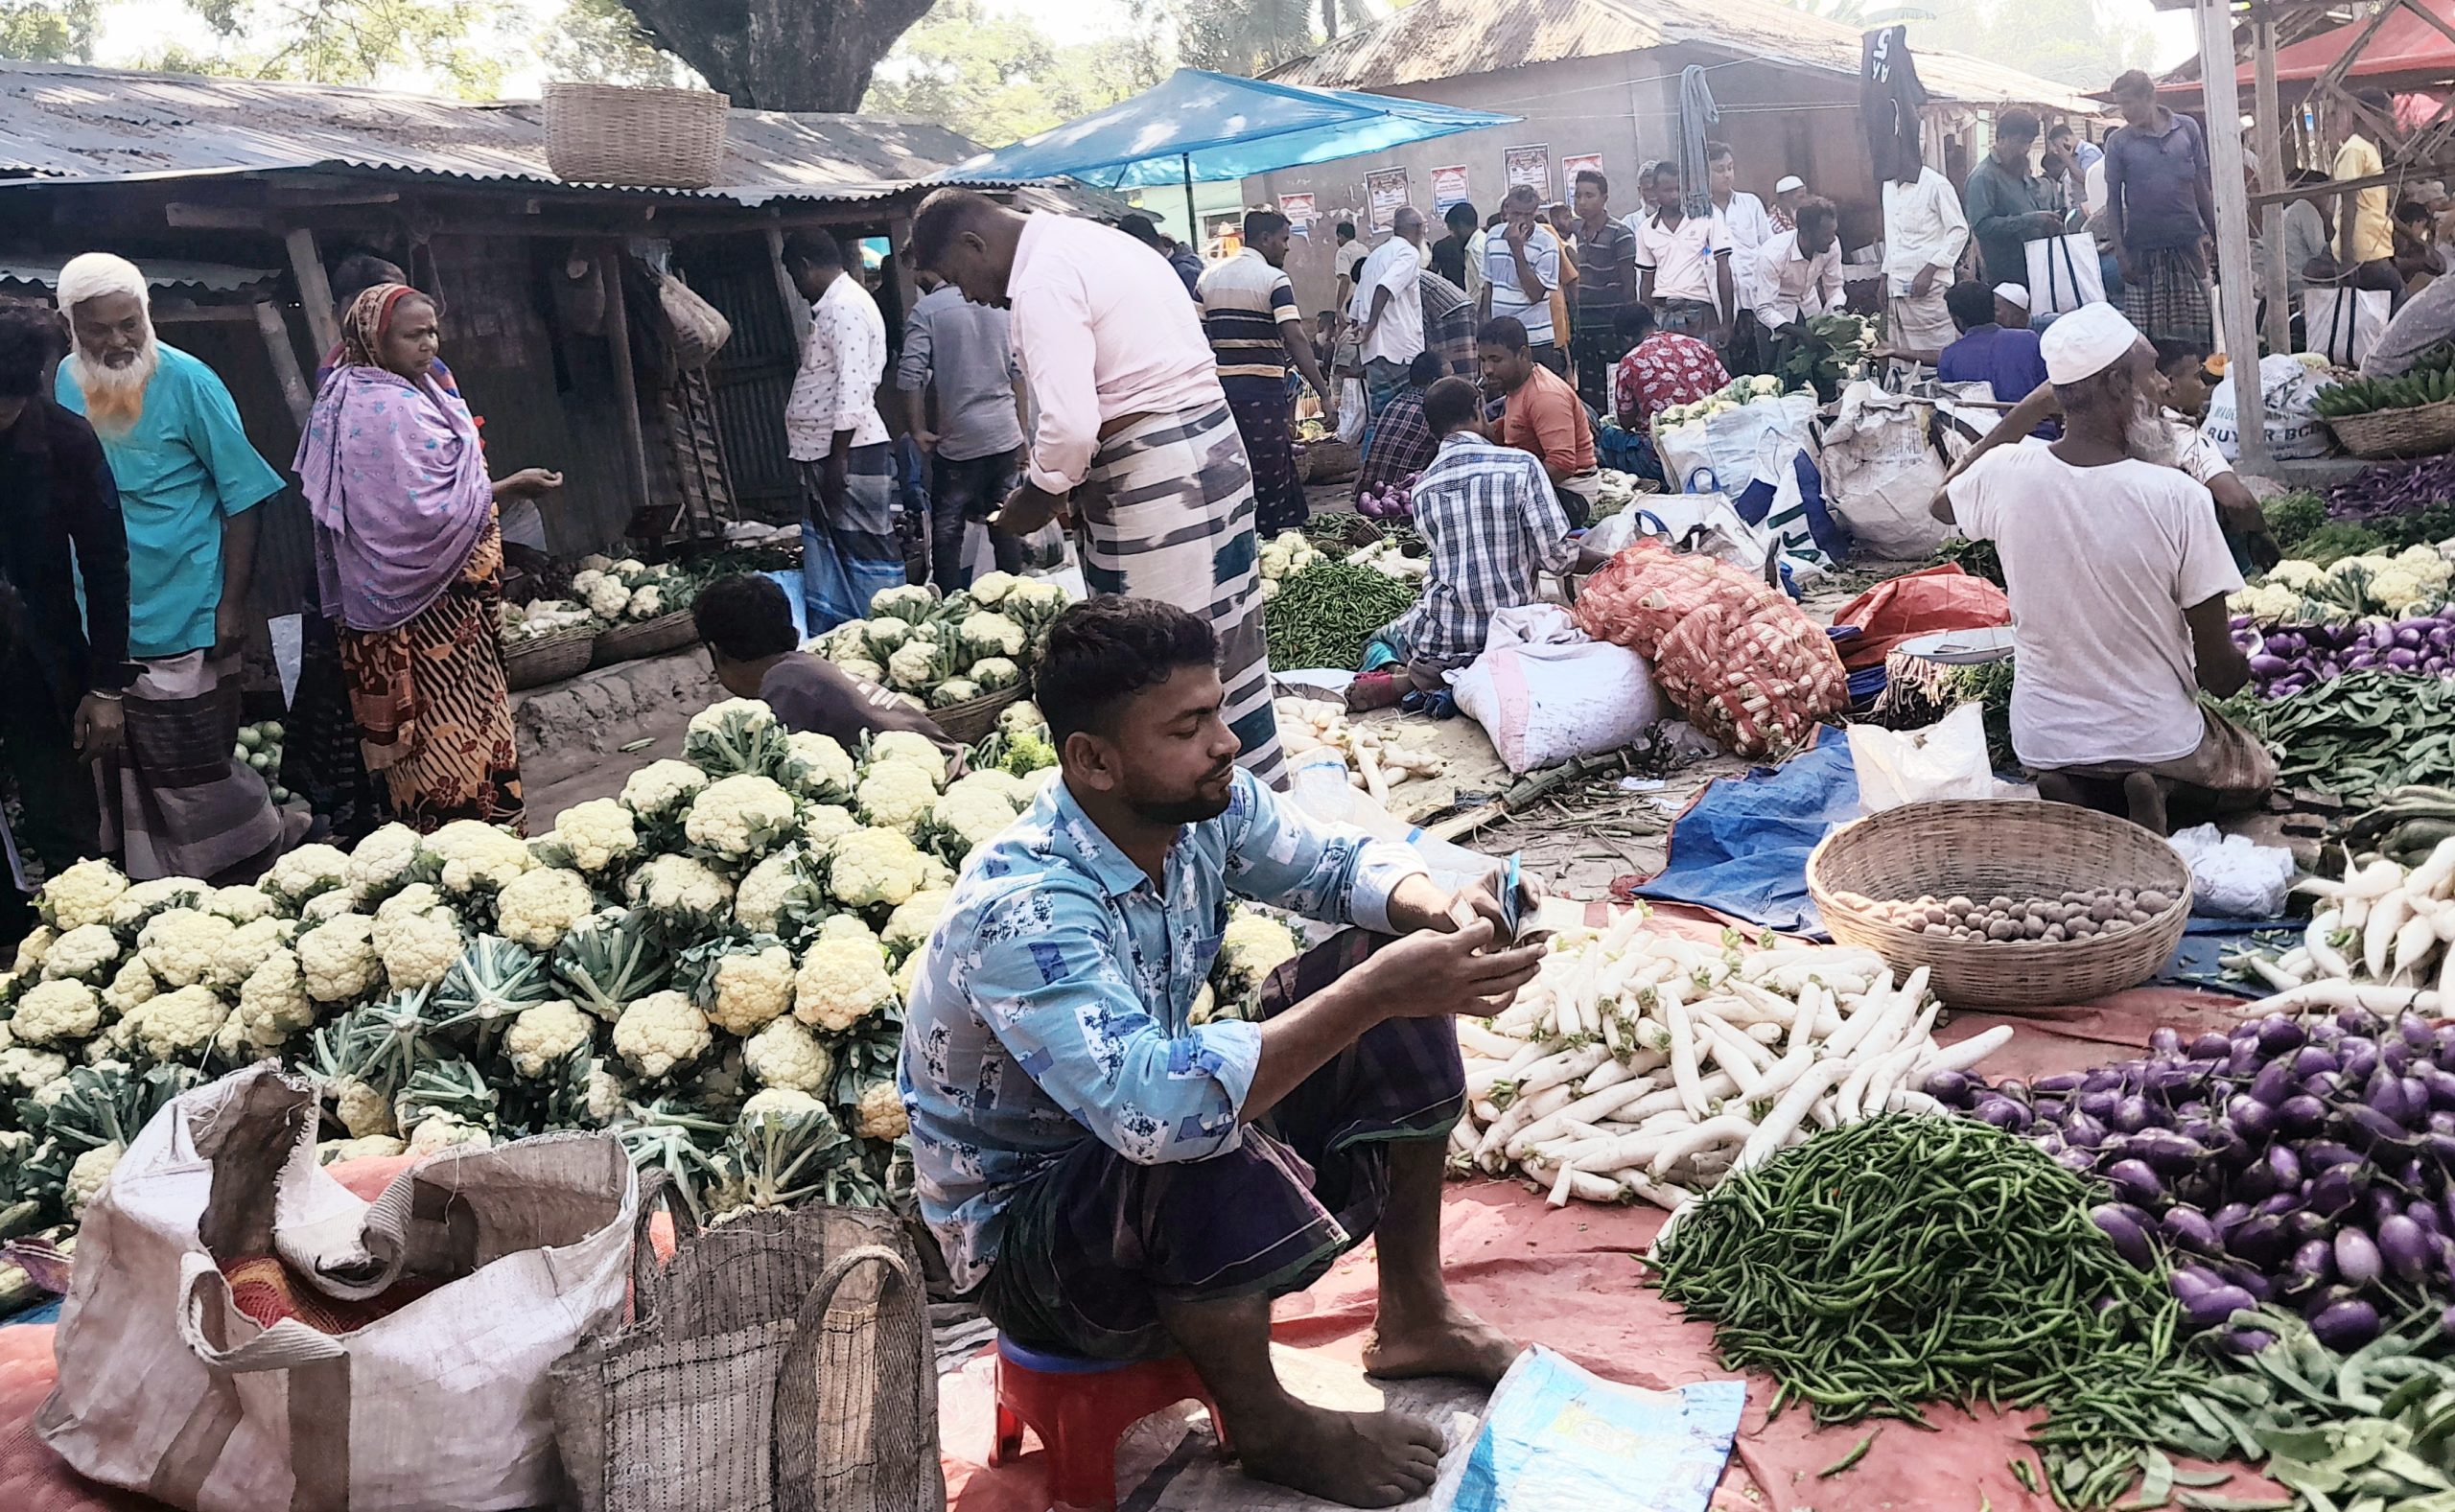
2358,734
1907,1260
1324,615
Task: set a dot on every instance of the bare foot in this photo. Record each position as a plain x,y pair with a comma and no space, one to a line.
2145,794
1449,1341
1359,1459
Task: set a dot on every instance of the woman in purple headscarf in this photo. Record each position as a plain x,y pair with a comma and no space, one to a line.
409,560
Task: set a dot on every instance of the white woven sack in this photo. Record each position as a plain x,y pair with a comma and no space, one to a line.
167,1389
1545,691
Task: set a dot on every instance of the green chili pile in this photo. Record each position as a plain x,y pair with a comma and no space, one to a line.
1908,1260
1324,615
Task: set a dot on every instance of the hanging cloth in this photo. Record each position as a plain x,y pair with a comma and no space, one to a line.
1696,112
1890,98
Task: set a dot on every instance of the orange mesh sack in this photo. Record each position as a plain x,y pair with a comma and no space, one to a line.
1738,659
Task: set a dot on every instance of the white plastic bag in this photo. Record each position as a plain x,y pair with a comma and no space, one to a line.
1352,414
2065,275
1946,759
166,1388
2289,389
1544,693
2234,877
1880,473
2343,324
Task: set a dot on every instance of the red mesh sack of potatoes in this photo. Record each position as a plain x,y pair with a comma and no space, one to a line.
1740,660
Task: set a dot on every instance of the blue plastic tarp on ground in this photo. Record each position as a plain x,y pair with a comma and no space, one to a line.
1741,848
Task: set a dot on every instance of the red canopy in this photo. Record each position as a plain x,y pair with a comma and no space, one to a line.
2406,46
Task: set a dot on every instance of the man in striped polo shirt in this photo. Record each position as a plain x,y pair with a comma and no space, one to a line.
1248,313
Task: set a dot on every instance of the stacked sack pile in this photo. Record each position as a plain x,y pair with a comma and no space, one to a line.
712,965
1740,660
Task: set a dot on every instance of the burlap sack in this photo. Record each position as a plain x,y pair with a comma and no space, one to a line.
781,1360
166,1388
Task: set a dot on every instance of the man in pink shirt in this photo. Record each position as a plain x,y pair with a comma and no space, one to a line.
1134,440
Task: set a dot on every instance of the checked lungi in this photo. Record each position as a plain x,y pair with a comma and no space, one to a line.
1265,418
1166,512
2166,295
849,546
1094,1244
175,799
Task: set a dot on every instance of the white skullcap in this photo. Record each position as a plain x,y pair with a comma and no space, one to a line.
1788,182
91,273
2086,342
2012,294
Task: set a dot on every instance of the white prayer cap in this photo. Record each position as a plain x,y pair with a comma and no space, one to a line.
91,273
2086,342
2012,294
1790,181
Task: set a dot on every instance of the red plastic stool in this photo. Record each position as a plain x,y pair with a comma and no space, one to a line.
1080,1408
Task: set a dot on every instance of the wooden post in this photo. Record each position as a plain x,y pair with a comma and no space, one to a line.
795,307
2236,313
315,294
2267,122
626,385
284,359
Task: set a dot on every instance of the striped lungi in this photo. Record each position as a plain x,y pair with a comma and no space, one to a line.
849,546
2165,296
175,799
1166,512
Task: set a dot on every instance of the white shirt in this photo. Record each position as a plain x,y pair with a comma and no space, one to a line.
842,366
2101,563
1924,227
1748,227
1348,257
1102,329
1475,266
1394,265
1793,288
1682,259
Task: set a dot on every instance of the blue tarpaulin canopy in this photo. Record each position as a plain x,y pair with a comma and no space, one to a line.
1205,128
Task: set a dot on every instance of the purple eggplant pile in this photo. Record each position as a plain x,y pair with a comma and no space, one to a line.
2301,1162
2293,657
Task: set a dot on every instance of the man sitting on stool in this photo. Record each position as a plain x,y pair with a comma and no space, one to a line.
1122,1183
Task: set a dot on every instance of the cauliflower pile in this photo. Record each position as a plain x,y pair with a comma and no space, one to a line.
1738,392
2413,582
712,966
627,592
1287,554
937,652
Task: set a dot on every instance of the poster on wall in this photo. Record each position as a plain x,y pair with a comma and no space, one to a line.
1449,186
1531,166
1577,163
1299,212
1385,188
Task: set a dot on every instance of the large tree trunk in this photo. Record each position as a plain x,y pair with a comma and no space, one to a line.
782,54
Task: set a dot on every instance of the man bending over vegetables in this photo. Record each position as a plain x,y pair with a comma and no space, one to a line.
1119,1182
2118,576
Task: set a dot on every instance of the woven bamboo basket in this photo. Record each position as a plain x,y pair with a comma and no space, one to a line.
2018,849
2423,430
623,134
1332,462
972,719
550,659
648,638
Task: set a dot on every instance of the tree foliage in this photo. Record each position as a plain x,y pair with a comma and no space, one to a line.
348,42
49,31
2079,43
601,40
999,78
1253,37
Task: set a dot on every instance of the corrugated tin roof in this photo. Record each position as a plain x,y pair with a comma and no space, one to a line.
1435,39
66,122
161,272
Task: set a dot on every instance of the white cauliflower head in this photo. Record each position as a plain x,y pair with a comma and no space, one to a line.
544,1035
178,1025
339,959
740,816
870,867
134,983
749,988
784,1054
879,1112
417,936
476,856
386,861
783,1102
822,823
304,872
273,1004
908,927
180,945
663,789
661,1034
975,811
82,895
241,905
29,1069
992,634
91,1173
58,1012
607,597
904,745
895,794
842,982
592,835
88,953
245,949
539,907
914,666
680,884
817,766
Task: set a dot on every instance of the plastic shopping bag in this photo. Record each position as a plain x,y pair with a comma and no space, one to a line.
1945,761
2343,324
1353,411
2065,275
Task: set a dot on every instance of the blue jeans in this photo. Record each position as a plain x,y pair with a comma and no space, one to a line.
961,492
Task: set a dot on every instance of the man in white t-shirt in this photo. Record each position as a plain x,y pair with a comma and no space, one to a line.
1747,226
1684,265
1387,310
1344,259
2118,576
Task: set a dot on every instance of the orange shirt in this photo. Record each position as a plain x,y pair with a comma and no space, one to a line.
1546,417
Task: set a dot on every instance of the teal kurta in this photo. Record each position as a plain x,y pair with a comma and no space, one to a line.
185,466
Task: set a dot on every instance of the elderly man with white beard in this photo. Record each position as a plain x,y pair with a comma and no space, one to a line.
173,801
2118,574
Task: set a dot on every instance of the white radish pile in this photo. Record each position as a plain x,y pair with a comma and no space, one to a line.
2383,926
1641,1064
1373,764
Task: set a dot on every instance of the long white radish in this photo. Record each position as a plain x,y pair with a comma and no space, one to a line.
2330,960
1969,1051
1593,1105
1683,1055
1783,1121
1688,1141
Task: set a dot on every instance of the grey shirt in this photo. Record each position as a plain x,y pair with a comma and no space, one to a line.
966,349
